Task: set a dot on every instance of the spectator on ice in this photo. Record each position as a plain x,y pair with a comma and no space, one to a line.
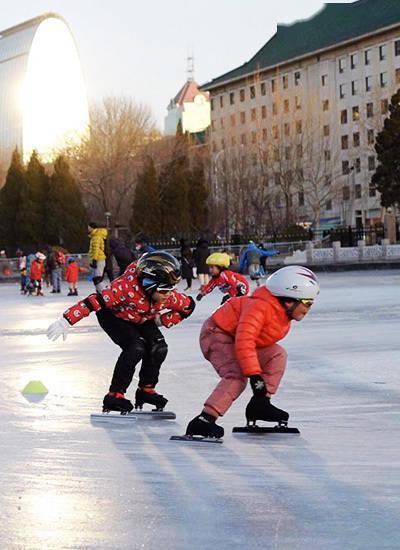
142,246
37,271
21,265
201,254
97,252
72,276
55,263
251,259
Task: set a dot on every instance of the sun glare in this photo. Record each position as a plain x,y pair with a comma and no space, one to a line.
54,101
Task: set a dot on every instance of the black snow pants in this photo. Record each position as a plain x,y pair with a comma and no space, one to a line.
143,342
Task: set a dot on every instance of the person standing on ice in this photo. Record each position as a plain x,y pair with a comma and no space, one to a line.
130,311
251,259
229,282
97,252
37,271
240,341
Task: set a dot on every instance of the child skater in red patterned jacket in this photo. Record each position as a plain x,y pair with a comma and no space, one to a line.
229,282
130,312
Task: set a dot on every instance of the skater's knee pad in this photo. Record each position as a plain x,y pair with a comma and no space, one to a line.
159,350
136,350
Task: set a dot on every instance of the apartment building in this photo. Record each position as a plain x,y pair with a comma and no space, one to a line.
317,92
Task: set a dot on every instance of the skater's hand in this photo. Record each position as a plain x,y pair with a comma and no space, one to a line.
258,385
57,329
93,264
199,297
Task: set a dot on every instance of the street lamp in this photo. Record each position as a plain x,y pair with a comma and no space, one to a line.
108,217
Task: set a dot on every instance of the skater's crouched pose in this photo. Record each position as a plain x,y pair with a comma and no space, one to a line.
240,341
229,282
130,312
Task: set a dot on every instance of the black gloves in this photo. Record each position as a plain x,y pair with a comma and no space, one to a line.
93,264
189,309
240,289
258,385
199,297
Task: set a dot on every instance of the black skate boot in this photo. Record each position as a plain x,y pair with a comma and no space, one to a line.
148,394
260,408
115,401
204,425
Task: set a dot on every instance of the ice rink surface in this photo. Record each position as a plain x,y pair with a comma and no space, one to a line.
66,483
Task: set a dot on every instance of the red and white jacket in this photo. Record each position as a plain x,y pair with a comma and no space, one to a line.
228,282
128,301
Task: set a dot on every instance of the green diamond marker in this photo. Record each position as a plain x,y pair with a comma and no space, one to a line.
35,387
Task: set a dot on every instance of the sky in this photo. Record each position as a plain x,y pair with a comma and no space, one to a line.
139,48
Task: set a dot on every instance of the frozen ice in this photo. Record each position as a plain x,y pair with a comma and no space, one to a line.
68,484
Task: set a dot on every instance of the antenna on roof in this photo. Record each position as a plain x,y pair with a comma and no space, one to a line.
190,67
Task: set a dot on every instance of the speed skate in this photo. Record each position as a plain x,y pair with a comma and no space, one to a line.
195,439
252,428
132,416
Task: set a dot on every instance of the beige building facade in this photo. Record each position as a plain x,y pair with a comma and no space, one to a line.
307,123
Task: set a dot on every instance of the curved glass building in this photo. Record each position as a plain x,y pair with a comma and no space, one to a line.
43,101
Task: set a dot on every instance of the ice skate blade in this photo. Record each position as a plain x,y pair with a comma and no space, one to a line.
133,415
195,438
265,430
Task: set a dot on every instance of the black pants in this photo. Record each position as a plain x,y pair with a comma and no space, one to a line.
139,343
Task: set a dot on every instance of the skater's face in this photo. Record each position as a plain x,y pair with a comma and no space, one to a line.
298,309
214,270
161,296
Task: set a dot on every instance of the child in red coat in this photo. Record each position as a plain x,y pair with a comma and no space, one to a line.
71,276
229,282
36,274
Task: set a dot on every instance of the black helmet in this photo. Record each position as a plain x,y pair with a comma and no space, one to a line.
158,271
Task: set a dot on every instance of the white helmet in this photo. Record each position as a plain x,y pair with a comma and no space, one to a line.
40,256
295,282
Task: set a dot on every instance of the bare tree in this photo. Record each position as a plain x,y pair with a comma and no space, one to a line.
106,162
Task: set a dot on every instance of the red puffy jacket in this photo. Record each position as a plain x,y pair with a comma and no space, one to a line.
37,270
128,301
72,273
256,321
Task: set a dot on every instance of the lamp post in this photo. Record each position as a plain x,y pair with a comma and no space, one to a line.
108,217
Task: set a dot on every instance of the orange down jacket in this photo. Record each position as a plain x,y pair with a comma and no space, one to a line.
256,321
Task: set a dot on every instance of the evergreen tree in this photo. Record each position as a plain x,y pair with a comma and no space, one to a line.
146,215
198,196
66,216
387,176
175,212
10,203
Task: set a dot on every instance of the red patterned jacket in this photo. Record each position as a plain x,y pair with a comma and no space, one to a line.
228,281
128,301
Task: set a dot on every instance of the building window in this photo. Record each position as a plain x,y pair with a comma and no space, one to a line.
368,83
324,79
222,122
285,82
367,57
342,91
383,78
287,153
297,103
253,115
297,77
276,154
233,120
275,132
397,47
232,98
372,190
263,88
384,106
286,128
356,139
273,85
252,92
212,104
253,137
345,167
328,204
327,155
286,106
301,198
382,52
326,130
342,64
221,100
299,151
353,60
371,137
356,113
263,111
274,108
265,134
277,178
242,95
357,189
397,76
242,117
370,110
343,116
357,165
345,142
233,140
243,139
299,127
354,87
346,192
371,163
325,105
222,143
213,125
